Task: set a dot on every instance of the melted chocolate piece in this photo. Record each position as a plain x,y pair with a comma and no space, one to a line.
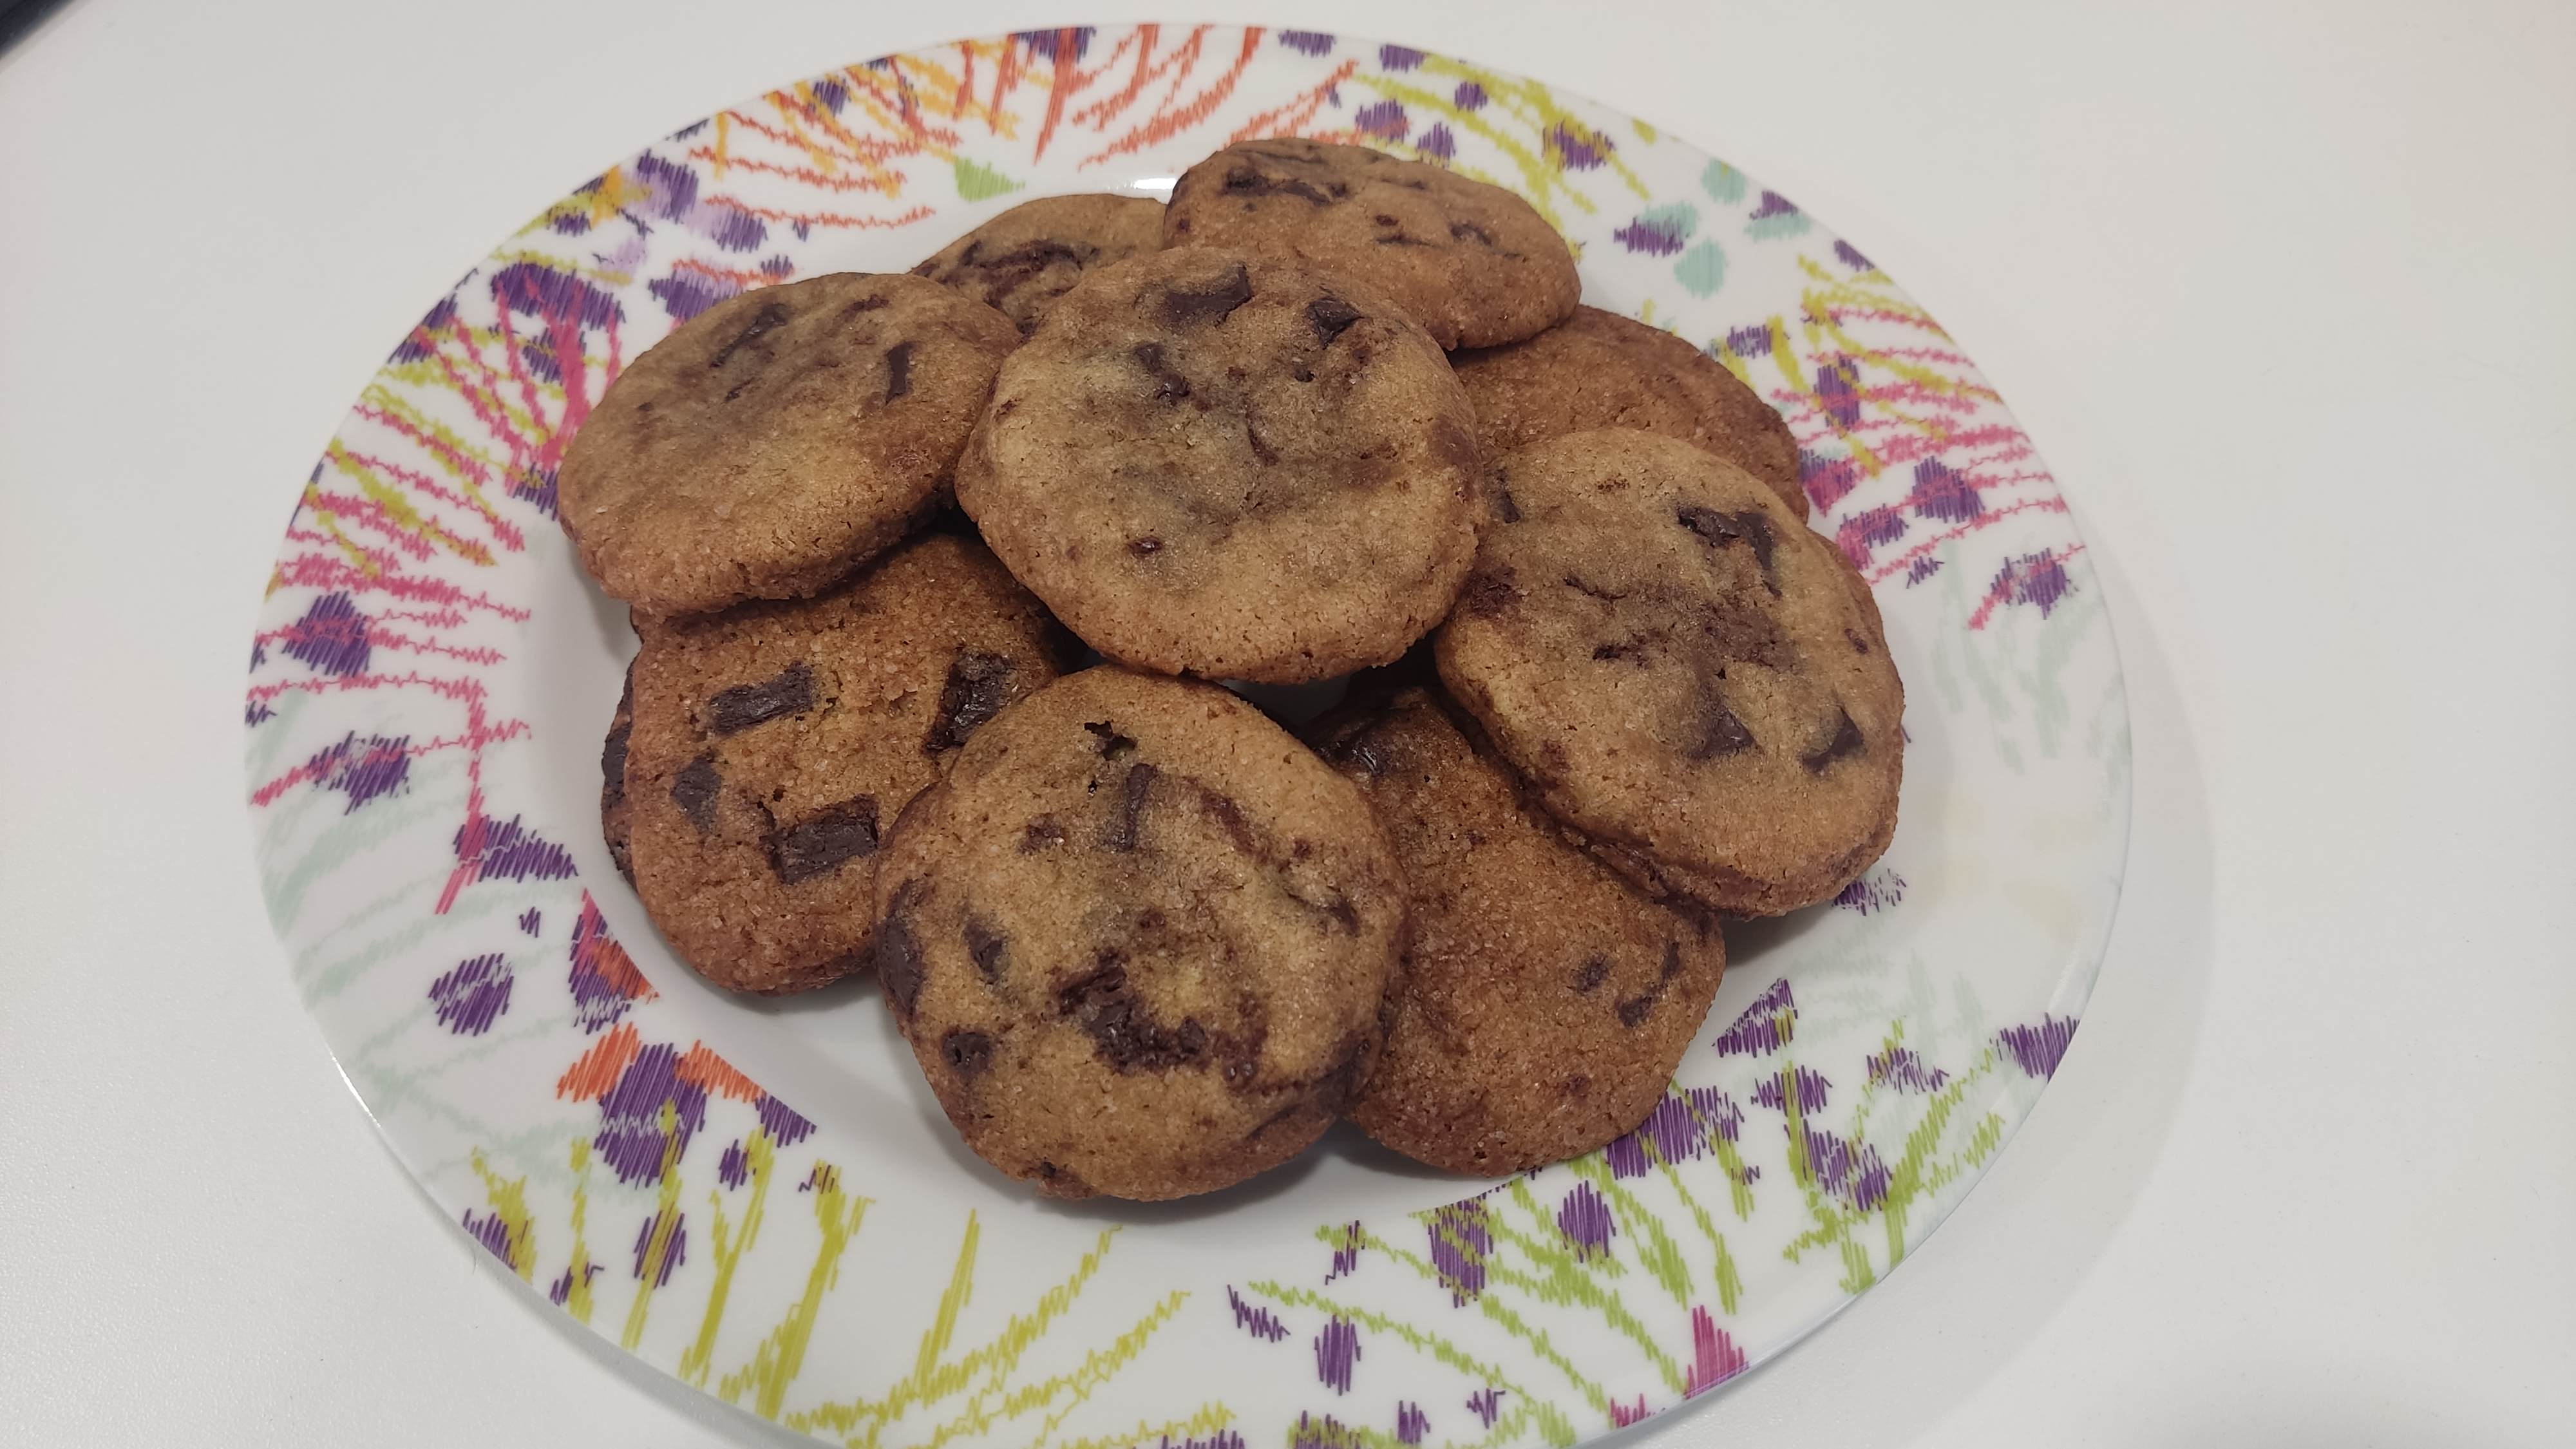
1720,732
1592,590
770,317
1125,1035
1588,977
1365,750
984,946
1846,741
1125,832
790,691
1246,182
1208,308
1463,230
1145,547
968,1052
822,843
1746,634
1720,529
1634,1011
1859,645
976,688
898,370
695,789
1044,833
1169,385
1266,454
1330,317
612,765
1506,508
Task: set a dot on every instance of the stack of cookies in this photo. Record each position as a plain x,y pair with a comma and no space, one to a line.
1328,414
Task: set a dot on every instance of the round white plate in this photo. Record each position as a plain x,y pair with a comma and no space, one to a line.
762,1198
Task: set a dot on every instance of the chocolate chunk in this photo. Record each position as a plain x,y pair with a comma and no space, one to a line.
1464,230
984,947
790,691
1720,732
1113,745
976,688
1266,454
1169,385
1488,593
1858,644
1145,547
1846,741
1210,307
1125,830
1506,507
1044,833
1229,816
864,304
1592,590
1330,317
695,789
1743,633
1365,750
898,370
899,950
1589,976
822,843
1626,649
1719,529
1634,1011
968,1052
612,765
1127,1037
1246,182
770,317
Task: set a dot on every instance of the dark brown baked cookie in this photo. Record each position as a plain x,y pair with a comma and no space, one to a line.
1682,670
616,819
1601,370
1473,263
1140,938
1223,465
774,741
778,440
1022,260
1545,999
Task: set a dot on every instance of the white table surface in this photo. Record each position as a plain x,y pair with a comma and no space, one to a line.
2285,292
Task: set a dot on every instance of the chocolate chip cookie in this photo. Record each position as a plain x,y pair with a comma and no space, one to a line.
771,744
1545,999
1682,670
777,440
1601,370
1473,263
1140,938
1022,260
1224,465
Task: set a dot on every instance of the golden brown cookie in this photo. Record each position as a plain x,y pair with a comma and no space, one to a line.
778,440
1234,467
1022,260
1601,370
1140,938
1546,1000
1473,263
772,742
1682,670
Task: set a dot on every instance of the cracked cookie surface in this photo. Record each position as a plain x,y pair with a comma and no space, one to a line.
1684,672
777,440
772,744
1140,939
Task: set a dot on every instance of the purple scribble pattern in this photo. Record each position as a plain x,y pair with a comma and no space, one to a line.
1764,1027
1411,1424
1439,142
2036,579
1461,1239
1469,96
784,1125
1676,1131
1943,494
1346,1253
472,996
364,769
733,1167
531,921
632,1139
1880,890
1381,121
1307,42
559,1292
1337,1352
1652,236
331,637
509,850
493,1233
1261,1323
1811,1086
1900,1067
1486,1404
675,1251
1398,57
2037,1049
1584,1219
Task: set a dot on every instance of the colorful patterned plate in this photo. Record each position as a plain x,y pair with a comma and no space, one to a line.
761,1197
